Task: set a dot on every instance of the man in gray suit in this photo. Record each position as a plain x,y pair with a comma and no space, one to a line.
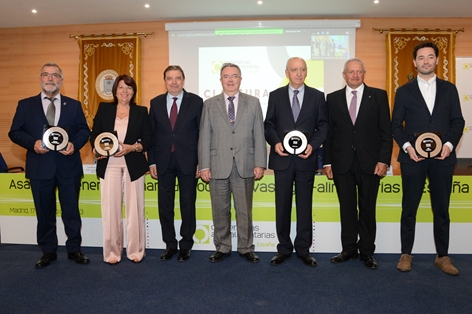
231,155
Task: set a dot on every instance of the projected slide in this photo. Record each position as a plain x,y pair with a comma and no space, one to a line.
261,53
258,67
325,46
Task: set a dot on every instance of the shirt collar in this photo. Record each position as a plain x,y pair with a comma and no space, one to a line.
360,89
424,82
44,96
236,96
179,96
301,89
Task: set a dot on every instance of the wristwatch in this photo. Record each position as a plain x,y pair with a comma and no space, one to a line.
137,148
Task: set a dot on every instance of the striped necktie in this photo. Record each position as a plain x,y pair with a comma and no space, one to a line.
51,111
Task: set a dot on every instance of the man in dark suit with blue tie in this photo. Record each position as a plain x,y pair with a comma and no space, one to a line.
50,170
175,121
302,108
427,104
356,155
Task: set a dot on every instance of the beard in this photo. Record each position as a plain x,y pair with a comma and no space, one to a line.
426,71
50,88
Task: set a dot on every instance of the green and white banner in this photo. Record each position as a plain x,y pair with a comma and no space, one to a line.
18,220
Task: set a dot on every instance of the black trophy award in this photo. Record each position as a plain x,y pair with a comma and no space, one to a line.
295,142
106,144
55,137
428,144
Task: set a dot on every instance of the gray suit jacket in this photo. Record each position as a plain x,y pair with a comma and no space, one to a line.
219,142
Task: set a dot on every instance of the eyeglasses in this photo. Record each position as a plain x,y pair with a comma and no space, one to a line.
227,77
54,75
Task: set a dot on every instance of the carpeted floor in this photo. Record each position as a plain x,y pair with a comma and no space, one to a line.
231,286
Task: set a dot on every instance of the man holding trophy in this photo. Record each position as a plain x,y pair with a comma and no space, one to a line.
296,125
52,128
427,124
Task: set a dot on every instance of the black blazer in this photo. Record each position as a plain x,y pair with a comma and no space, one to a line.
411,108
371,136
313,120
138,130
184,136
28,127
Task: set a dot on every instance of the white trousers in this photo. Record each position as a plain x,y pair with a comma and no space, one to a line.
117,188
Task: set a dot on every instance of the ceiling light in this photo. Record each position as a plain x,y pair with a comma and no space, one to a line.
147,6
259,2
34,11
376,1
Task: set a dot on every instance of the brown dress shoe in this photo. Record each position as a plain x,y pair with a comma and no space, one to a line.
404,264
444,263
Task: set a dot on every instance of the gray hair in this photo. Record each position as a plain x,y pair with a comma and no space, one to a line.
229,65
293,58
51,64
352,60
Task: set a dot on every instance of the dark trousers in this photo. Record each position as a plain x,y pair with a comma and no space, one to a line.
284,181
440,185
44,196
166,198
357,194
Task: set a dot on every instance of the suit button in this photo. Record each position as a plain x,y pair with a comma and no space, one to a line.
231,148
234,132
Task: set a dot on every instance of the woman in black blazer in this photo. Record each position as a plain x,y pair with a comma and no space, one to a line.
122,175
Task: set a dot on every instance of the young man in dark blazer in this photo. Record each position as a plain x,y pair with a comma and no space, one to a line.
50,170
310,118
427,104
356,155
175,121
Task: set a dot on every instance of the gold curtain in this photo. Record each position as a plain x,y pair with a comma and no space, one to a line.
400,67
101,61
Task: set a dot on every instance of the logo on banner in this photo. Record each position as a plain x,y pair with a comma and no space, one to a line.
104,84
216,67
202,234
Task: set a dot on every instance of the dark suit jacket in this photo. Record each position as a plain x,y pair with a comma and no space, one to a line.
28,127
371,136
313,120
138,130
411,108
184,136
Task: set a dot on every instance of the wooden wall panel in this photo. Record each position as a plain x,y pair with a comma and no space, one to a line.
24,50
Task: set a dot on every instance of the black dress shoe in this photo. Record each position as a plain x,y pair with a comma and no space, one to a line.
45,260
369,261
183,255
251,257
279,259
78,257
168,253
308,260
218,256
343,257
